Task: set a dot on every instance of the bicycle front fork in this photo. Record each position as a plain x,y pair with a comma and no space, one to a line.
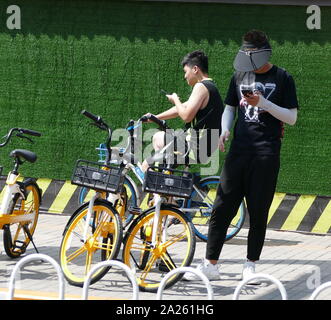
111,198
89,214
10,190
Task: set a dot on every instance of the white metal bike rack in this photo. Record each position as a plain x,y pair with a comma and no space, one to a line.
319,289
29,258
184,270
280,286
129,273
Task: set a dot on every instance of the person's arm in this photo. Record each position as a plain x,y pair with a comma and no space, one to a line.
286,115
288,110
168,114
227,121
188,110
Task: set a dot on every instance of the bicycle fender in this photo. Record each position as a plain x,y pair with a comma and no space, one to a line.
136,190
165,206
28,181
86,204
209,178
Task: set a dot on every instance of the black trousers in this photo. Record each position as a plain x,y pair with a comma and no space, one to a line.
253,177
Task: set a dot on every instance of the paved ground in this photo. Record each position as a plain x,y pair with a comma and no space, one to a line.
300,261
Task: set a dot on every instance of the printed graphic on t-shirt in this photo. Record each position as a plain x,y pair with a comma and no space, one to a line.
252,113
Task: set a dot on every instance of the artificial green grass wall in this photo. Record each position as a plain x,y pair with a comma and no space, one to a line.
113,57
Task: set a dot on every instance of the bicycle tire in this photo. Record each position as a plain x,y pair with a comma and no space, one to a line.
105,234
208,186
130,198
175,247
15,237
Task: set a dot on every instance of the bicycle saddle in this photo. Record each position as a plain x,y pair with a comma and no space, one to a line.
25,154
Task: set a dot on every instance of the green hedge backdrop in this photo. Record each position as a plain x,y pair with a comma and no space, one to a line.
112,58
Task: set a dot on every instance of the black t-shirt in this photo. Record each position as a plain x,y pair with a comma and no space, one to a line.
257,131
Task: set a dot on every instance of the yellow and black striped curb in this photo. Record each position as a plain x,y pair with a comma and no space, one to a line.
289,212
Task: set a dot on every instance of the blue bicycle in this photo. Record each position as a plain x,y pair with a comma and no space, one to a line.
197,208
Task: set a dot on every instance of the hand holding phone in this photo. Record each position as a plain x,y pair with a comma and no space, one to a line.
247,92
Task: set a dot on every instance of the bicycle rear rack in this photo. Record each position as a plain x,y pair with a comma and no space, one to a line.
260,276
184,270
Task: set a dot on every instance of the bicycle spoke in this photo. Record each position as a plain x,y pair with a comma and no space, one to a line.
175,239
76,253
18,230
166,259
103,246
78,235
148,267
88,262
139,247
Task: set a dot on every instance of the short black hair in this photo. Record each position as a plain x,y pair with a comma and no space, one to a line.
196,58
256,37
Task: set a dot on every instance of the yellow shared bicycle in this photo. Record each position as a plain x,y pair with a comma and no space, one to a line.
94,231
21,200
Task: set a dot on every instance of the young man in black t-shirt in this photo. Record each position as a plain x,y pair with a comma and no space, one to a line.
202,113
264,97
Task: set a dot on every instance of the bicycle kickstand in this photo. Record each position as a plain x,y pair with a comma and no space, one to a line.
27,231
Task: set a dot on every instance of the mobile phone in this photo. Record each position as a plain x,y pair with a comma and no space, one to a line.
164,92
246,92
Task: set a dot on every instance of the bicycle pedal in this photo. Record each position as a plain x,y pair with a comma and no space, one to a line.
174,221
135,210
20,245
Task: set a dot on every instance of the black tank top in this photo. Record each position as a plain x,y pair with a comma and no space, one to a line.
210,116
206,120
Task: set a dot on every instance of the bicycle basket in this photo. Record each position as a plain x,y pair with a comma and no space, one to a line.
98,176
175,183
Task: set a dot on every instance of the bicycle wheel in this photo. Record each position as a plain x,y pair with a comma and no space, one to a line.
103,240
17,235
174,247
129,198
202,200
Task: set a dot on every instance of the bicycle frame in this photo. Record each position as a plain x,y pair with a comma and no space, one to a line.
136,169
89,214
158,202
12,187
157,198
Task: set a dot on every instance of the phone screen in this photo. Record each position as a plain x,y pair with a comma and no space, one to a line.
247,92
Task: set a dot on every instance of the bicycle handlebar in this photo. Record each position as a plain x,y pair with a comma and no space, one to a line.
30,132
20,133
93,117
161,123
101,124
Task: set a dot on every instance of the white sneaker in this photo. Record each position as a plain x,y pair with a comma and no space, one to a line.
248,271
208,269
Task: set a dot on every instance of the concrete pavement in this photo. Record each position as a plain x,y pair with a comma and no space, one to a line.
300,261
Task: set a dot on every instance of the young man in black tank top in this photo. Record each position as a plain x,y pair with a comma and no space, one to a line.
202,112
264,97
